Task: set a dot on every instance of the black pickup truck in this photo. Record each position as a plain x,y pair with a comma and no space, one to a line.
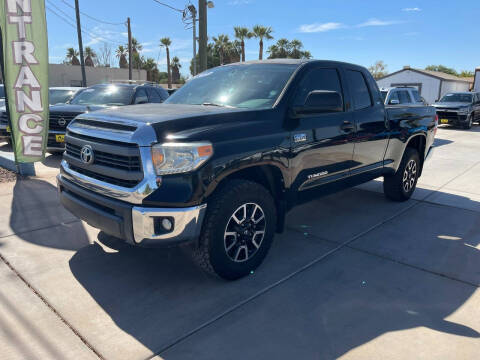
219,164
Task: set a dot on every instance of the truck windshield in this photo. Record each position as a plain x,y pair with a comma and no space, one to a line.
251,86
104,95
466,98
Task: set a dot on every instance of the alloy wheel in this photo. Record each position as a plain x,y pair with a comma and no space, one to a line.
409,175
244,232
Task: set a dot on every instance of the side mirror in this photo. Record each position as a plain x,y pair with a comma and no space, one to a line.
320,101
394,102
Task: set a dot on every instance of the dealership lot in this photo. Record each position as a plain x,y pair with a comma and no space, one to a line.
354,275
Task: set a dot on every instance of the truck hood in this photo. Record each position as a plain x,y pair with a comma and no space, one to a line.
158,113
451,105
181,122
67,108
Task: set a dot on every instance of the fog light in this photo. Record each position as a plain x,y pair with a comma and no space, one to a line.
167,224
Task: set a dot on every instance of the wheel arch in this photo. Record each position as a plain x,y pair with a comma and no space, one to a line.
269,175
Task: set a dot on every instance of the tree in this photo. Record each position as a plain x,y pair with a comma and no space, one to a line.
90,56
150,66
105,55
72,57
242,33
121,54
262,32
466,73
136,48
442,69
176,69
166,42
378,70
295,49
288,49
222,44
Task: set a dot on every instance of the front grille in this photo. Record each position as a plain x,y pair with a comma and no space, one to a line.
114,162
128,163
105,178
63,118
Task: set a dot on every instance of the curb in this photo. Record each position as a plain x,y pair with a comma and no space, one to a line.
7,160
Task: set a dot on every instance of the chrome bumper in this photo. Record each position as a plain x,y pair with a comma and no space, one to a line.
186,222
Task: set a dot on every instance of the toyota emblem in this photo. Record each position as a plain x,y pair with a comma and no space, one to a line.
86,154
62,122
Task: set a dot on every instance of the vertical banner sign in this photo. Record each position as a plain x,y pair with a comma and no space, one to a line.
25,64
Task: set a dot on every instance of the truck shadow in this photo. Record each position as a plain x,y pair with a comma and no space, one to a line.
158,296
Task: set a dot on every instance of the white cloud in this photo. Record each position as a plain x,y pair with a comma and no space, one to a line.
411,9
377,22
313,28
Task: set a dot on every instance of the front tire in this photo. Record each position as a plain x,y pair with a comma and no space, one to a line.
238,230
401,185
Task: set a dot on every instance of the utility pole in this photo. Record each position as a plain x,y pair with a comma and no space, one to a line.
202,34
80,44
193,11
129,50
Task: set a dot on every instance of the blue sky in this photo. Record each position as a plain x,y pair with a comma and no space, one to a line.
416,33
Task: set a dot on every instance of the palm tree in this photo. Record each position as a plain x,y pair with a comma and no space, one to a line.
72,56
89,56
122,56
295,46
283,46
175,69
262,32
222,43
136,46
166,42
242,33
150,65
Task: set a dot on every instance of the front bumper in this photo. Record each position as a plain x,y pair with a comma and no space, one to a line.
52,144
135,224
453,118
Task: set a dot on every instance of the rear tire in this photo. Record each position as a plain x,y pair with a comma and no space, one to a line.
237,231
401,185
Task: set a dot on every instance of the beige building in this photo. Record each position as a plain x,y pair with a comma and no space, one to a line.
70,75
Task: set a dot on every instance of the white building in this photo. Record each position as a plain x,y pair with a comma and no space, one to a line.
432,85
70,75
476,85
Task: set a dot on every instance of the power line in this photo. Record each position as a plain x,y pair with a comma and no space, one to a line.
91,17
86,32
171,7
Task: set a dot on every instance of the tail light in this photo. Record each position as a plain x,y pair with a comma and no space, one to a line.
436,125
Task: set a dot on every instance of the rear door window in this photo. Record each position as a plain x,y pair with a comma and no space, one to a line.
359,89
393,96
317,79
404,97
416,96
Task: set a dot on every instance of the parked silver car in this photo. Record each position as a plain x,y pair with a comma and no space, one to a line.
401,96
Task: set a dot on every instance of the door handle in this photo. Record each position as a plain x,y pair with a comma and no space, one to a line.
347,126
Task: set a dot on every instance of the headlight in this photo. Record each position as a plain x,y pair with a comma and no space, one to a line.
176,158
464,110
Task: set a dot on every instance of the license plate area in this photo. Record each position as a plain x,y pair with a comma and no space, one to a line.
443,121
60,138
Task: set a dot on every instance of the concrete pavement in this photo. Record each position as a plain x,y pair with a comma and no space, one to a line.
354,276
